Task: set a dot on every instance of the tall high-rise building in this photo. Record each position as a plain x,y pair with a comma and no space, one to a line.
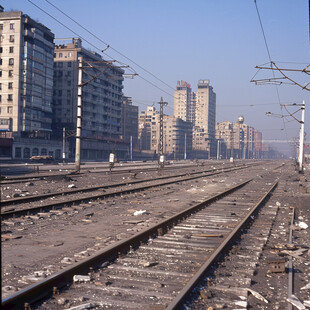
200,109
182,107
204,129
102,99
26,81
26,75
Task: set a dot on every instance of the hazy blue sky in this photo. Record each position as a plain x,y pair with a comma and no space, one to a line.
219,40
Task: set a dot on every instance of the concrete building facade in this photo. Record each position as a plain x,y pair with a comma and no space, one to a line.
102,100
26,81
177,134
205,114
242,141
177,138
130,115
182,107
200,109
148,133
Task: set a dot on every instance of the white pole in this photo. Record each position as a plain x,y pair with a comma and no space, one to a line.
218,149
131,148
185,147
301,137
79,119
63,145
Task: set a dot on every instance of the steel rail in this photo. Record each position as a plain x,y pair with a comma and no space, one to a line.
290,288
53,205
51,284
180,299
13,201
95,170
101,170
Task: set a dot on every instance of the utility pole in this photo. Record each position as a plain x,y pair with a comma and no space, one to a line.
63,145
161,158
131,148
185,147
79,118
301,137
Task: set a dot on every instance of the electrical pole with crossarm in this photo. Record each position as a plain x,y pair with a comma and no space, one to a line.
161,158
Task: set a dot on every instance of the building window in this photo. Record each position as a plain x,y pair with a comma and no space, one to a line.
60,55
18,152
10,86
1,49
69,64
35,152
1,26
44,151
26,152
11,61
11,49
0,98
0,61
11,38
10,73
1,38
0,73
60,65
0,86
10,97
10,110
12,26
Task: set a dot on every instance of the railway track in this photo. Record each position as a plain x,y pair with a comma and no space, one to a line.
159,266
126,169
26,205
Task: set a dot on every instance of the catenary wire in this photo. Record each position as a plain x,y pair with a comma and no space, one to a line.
61,23
271,63
109,46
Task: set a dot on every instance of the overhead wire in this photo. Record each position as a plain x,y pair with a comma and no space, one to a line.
94,46
108,45
271,63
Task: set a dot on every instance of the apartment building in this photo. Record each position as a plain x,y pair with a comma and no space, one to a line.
102,100
183,104
205,113
148,132
177,138
177,134
242,141
26,83
130,123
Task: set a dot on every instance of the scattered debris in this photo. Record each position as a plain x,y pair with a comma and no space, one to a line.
71,186
67,260
296,302
84,307
306,287
8,237
302,225
9,288
81,278
258,296
140,212
276,265
148,264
